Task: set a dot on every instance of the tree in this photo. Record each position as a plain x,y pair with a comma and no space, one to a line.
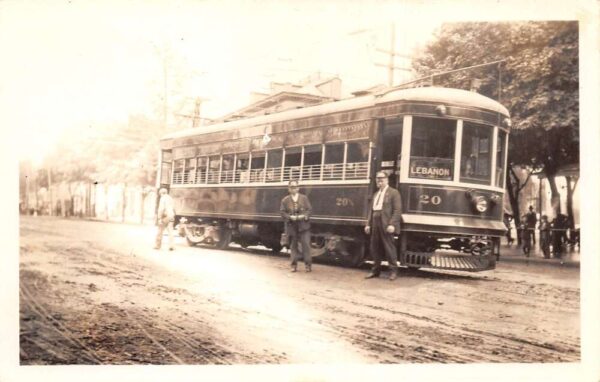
539,81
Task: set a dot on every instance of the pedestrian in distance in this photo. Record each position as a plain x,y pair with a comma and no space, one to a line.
165,217
507,223
545,236
383,222
295,210
525,237
531,221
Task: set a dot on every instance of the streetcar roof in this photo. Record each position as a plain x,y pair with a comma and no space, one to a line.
441,95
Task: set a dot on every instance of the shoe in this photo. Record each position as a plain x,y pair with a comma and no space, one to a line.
171,249
371,275
308,268
294,268
393,276
155,247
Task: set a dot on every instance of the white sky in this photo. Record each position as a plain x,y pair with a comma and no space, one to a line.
77,65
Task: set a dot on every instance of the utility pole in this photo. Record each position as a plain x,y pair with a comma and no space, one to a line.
393,54
196,116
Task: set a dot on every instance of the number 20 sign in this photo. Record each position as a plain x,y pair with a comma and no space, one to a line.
426,199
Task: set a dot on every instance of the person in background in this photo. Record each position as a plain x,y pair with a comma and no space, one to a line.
165,217
507,223
545,236
383,222
525,237
295,209
530,223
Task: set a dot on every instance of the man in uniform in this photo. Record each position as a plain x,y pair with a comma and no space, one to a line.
165,218
295,209
382,223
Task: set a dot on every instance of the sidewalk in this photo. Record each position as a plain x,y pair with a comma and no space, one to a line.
514,254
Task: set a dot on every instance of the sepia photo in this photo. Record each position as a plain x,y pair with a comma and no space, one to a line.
260,190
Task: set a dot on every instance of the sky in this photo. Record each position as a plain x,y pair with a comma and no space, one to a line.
73,67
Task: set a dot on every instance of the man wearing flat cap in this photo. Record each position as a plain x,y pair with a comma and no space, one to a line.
382,223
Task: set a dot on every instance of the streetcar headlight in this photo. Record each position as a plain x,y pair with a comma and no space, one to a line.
481,203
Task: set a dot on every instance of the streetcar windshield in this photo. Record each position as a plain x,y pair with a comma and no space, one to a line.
432,148
476,153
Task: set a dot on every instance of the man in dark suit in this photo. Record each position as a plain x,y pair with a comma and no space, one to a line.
382,223
295,210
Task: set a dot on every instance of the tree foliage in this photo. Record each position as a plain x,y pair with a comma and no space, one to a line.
539,81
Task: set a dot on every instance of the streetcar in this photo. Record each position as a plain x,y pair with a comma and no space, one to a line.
444,149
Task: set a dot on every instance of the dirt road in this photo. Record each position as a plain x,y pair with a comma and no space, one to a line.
97,293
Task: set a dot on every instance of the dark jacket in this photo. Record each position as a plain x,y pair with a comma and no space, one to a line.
287,210
391,210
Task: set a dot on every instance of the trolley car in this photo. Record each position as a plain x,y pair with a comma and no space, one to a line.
444,150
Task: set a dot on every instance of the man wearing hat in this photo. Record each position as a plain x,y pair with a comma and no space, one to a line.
382,223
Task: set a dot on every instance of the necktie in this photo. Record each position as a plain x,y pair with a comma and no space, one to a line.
378,196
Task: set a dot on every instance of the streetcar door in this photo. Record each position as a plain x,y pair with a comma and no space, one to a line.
391,147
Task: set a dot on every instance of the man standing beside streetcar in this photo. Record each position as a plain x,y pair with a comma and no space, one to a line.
296,210
383,222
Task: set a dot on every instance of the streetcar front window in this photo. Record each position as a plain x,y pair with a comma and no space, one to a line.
432,148
476,153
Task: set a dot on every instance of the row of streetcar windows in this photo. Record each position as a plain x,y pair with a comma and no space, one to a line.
432,156
335,161
433,146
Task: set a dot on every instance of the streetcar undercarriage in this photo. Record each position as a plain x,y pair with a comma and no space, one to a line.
348,245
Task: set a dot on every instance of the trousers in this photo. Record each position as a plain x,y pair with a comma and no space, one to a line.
302,240
381,241
162,225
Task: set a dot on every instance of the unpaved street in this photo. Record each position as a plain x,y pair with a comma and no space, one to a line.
97,293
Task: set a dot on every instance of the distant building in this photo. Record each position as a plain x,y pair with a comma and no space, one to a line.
313,90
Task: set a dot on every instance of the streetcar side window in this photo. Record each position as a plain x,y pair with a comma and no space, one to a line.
189,173
165,171
334,161
213,169
475,164
257,167
227,169
432,148
201,169
292,161
242,162
311,169
274,159
357,160
500,154
178,167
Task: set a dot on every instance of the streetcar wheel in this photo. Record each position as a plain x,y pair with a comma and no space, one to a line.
224,238
357,256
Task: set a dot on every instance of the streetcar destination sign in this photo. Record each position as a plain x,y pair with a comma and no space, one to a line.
430,169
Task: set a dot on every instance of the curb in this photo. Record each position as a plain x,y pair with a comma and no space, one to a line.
539,261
